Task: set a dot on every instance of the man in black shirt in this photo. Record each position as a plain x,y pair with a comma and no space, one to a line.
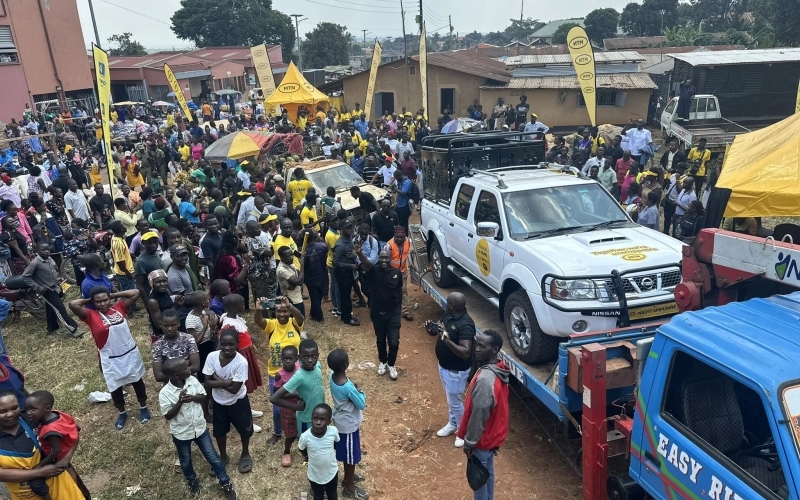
615,150
383,223
366,201
345,263
386,292
102,205
455,331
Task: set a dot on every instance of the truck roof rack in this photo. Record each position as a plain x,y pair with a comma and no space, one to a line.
500,183
498,172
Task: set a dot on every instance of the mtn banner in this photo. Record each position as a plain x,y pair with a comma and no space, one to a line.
580,48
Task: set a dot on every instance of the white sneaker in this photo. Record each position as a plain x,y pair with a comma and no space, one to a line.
393,372
382,369
459,442
256,428
446,430
256,413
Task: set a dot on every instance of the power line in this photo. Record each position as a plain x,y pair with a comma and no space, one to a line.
357,10
432,14
134,12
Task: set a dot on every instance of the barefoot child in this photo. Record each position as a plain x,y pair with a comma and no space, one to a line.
58,435
226,373
181,402
317,446
306,382
282,331
288,417
348,402
234,307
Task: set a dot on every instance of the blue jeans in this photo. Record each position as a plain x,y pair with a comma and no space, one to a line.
454,384
276,411
128,284
333,288
487,459
203,442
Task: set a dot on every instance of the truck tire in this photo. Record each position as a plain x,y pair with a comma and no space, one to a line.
441,274
527,339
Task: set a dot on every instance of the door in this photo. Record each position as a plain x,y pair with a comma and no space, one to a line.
701,422
377,106
448,100
486,255
666,116
383,103
460,228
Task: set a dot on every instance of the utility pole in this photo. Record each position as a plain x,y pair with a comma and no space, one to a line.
94,24
521,10
299,46
450,23
364,48
420,16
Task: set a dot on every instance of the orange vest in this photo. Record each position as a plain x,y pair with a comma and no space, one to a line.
399,255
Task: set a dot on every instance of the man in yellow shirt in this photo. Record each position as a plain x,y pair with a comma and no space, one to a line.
207,116
298,187
697,158
331,237
321,113
308,215
284,239
302,120
183,150
123,263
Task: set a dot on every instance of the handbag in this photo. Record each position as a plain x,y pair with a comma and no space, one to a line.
665,201
477,473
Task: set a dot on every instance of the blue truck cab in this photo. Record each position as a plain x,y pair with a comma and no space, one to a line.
718,405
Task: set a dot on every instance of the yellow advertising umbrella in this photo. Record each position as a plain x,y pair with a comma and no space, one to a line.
237,145
295,90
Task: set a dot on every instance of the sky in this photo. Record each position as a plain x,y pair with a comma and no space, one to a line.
149,20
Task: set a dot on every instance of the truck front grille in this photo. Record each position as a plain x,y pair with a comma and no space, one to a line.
646,283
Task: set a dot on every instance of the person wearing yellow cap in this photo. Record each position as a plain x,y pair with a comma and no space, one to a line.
534,125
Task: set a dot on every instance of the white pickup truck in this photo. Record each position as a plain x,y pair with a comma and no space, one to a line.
556,254
705,122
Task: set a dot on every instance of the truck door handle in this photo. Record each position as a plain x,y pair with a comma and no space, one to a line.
452,224
652,458
470,235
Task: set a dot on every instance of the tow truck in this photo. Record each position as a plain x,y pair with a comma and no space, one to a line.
703,405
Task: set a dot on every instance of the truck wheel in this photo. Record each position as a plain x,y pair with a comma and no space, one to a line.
527,339
624,488
441,274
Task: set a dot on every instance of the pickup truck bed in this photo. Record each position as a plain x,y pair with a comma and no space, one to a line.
538,379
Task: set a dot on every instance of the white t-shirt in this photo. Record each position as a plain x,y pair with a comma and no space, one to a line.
236,370
196,322
387,173
322,465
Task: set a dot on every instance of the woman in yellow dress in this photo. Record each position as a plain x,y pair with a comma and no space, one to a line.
131,168
20,453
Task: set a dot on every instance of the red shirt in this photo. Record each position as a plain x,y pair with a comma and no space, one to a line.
63,427
622,167
99,325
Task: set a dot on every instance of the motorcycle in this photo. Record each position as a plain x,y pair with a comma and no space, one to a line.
16,292
102,238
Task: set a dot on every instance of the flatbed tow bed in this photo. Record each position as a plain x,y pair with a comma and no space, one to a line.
556,395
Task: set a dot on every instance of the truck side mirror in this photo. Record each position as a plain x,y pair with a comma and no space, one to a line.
488,229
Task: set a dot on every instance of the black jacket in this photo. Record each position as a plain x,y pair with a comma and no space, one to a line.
680,157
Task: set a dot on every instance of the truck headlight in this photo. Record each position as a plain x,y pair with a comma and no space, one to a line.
574,290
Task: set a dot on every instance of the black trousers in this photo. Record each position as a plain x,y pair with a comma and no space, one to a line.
344,280
55,311
316,290
387,332
669,211
320,490
403,214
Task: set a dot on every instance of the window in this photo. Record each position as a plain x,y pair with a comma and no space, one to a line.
412,70
8,51
670,107
486,210
727,420
464,201
606,98
448,100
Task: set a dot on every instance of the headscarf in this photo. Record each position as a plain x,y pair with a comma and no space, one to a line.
158,273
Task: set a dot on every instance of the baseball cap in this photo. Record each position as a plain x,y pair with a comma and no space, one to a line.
244,193
176,250
277,178
266,218
149,235
408,113
348,221
389,158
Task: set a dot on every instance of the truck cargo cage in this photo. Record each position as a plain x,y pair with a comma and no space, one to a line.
419,253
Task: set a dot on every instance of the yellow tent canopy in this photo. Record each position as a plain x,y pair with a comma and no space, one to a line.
762,170
295,90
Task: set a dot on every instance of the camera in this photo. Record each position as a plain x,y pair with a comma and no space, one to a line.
269,304
433,329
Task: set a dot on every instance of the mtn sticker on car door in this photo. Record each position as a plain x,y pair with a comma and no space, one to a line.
631,254
483,257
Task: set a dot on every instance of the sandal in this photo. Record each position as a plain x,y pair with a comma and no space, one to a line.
408,317
286,460
245,465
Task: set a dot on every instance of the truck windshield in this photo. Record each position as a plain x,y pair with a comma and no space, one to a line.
341,178
538,212
791,403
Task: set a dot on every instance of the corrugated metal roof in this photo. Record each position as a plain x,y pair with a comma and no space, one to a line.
599,57
736,334
550,28
617,81
723,57
632,42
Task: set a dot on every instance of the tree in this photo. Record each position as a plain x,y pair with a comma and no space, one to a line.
560,35
646,19
473,38
629,19
327,45
601,24
209,23
357,50
126,46
520,29
718,15
495,38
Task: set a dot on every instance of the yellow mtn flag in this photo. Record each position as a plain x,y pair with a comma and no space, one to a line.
423,67
176,89
580,48
373,75
103,77
263,66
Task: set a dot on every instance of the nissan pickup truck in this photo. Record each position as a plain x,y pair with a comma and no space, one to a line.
553,252
705,122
